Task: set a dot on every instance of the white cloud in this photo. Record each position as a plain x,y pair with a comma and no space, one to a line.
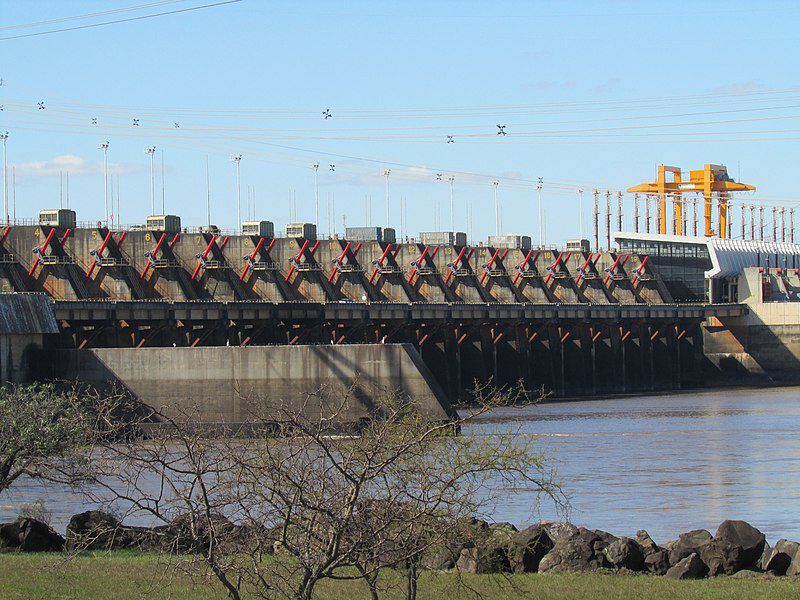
69,163
397,174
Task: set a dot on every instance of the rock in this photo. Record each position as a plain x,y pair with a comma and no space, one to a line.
604,539
483,560
690,567
747,574
625,553
691,542
784,558
487,551
181,536
575,554
30,535
439,558
646,543
737,545
96,530
527,549
559,529
764,558
657,562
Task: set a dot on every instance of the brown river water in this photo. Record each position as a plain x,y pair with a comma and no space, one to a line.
664,463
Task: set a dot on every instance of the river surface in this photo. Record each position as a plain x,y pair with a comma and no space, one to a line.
666,463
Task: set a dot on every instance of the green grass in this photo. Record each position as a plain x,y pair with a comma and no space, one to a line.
123,575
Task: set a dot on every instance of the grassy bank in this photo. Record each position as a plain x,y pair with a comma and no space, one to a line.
123,575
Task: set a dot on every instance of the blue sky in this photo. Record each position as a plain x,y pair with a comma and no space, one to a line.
398,76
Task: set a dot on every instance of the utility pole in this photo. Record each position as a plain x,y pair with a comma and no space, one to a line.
791,225
596,220
451,179
647,213
151,151
104,147
636,213
539,194
752,222
761,223
315,166
386,174
4,137
619,211
608,219
237,159
496,183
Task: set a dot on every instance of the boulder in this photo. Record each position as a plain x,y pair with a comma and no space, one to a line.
559,529
625,553
764,558
182,535
527,549
736,546
483,559
487,551
439,558
646,543
691,542
576,553
657,562
30,535
784,559
690,567
96,530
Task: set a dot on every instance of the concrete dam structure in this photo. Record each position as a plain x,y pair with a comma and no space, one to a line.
570,322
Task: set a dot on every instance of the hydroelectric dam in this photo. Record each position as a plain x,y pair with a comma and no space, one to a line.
183,316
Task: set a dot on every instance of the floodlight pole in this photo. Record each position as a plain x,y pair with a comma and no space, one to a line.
496,183
315,166
238,160
451,179
386,174
152,152
4,137
104,147
539,194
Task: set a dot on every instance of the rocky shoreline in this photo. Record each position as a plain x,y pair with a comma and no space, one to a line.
737,548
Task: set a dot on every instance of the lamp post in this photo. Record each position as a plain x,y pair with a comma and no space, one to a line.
539,194
386,174
152,152
4,137
315,166
496,183
104,147
237,158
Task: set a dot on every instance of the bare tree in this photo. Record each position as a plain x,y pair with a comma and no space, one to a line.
44,427
304,499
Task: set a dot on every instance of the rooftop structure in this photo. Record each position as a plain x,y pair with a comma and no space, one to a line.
696,269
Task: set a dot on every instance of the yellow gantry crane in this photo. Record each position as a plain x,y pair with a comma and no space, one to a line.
709,180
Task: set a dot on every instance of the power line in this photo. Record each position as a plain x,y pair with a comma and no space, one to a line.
90,15
139,18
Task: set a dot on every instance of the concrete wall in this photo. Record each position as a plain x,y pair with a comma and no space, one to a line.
228,385
765,341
